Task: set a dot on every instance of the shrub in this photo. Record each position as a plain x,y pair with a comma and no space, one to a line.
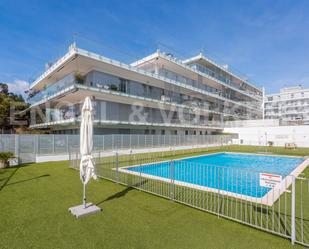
4,159
79,78
4,156
270,143
113,87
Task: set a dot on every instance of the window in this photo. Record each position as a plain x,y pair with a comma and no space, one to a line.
153,132
187,132
206,132
123,85
194,132
201,133
175,132
162,132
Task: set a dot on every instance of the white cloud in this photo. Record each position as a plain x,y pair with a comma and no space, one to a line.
19,87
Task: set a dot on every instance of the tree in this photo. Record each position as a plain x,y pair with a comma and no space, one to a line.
11,105
4,88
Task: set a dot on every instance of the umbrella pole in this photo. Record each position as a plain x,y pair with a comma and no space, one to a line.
84,195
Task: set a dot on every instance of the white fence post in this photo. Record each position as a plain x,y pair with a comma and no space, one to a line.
36,145
218,200
172,177
103,141
113,142
117,167
53,144
17,147
67,141
293,232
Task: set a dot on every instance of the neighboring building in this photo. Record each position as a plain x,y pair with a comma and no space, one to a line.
155,95
291,106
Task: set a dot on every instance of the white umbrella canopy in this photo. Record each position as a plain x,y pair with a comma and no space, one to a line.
86,128
87,170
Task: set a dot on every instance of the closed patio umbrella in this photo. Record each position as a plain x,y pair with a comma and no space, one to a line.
87,169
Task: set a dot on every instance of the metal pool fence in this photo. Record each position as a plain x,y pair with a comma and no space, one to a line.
232,193
27,147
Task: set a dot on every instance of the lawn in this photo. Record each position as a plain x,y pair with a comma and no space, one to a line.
34,200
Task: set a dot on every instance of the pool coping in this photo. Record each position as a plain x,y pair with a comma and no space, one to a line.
215,153
268,199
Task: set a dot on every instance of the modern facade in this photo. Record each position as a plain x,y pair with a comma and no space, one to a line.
155,95
290,106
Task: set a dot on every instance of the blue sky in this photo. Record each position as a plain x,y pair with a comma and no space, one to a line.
266,40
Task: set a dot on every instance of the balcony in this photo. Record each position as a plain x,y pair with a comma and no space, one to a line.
220,77
72,116
209,73
53,89
193,83
69,82
200,88
178,100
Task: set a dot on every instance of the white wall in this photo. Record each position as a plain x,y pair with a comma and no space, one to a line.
277,134
252,123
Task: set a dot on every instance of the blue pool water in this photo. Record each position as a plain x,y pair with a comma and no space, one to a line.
237,173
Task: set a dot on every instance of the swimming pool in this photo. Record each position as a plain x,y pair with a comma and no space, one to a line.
230,172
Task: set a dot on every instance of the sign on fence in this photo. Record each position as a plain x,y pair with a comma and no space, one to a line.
270,180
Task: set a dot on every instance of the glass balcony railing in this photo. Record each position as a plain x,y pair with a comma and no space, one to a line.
64,116
172,99
198,86
220,77
183,101
52,89
194,83
211,73
72,114
179,80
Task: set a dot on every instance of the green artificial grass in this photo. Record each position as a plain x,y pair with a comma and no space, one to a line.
34,202
271,150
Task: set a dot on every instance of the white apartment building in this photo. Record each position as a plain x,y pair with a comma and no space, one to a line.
155,95
290,106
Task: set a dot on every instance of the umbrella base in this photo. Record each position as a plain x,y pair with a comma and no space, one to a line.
80,211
